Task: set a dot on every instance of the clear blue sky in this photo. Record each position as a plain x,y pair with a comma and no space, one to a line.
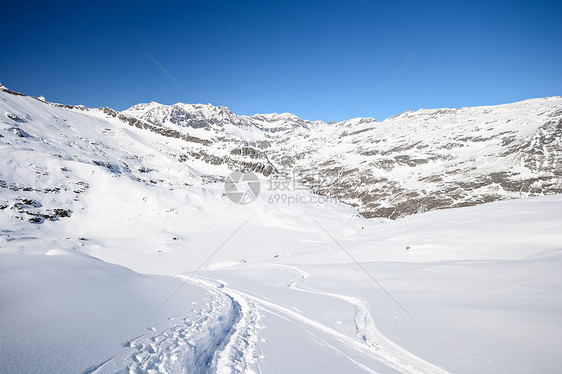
316,59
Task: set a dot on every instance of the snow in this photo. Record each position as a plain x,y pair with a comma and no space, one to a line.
173,277
65,311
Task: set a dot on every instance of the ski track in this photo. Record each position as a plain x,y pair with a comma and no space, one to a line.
366,330
371,342
239,352
223,339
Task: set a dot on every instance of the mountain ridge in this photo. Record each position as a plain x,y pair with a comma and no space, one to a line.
469,127
410,163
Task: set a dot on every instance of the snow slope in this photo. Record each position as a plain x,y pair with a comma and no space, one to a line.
117,255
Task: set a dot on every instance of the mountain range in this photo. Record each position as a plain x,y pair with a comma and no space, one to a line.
413,162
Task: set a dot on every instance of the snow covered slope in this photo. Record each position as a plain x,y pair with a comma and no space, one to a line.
119,252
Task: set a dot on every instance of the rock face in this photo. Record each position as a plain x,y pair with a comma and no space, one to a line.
410,163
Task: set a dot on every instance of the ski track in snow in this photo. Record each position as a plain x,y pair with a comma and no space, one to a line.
372,342
365,327
238,352
223,339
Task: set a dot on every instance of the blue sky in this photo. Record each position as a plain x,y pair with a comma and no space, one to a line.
316,59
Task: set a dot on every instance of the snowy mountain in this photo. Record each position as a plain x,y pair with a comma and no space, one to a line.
120,252
410,163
